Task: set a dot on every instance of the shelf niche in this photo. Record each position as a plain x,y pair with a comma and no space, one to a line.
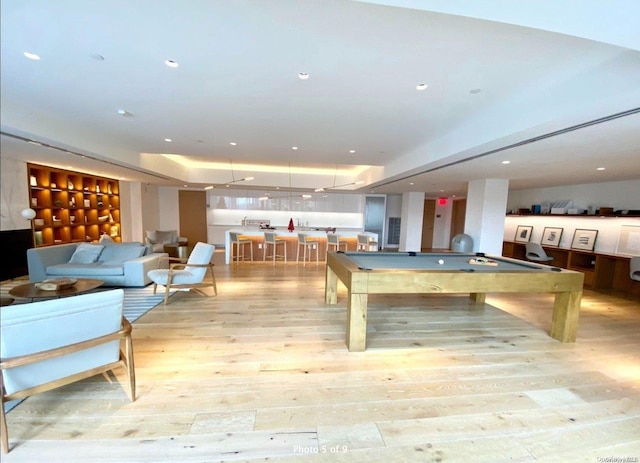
72,207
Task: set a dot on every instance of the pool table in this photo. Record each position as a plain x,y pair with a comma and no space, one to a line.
365,273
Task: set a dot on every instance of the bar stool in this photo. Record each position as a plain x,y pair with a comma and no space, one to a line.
333,241
240,242
366,242
271,239
307,242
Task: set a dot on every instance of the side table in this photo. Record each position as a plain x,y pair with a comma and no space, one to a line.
179,250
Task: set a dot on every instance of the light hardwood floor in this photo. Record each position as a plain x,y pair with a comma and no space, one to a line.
261,373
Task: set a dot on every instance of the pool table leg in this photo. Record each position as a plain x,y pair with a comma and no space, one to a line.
357,322
566,311
331,287
477,298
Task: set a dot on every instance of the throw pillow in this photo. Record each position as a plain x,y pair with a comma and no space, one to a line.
119,253
86,253
106,240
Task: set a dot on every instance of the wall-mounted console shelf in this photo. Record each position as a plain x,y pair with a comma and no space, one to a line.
601,271
72,206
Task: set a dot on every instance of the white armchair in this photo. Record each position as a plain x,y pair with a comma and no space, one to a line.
48,344
189,275
158,238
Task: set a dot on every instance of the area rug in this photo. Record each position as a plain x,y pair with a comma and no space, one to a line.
137,301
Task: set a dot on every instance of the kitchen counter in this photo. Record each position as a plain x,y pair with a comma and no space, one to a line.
292,240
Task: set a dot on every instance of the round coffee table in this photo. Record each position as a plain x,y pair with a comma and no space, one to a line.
30,291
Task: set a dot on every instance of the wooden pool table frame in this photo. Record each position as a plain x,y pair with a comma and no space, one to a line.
566,285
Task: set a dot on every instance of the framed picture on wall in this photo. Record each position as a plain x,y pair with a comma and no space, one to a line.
523,233
629,240
551,236
584,240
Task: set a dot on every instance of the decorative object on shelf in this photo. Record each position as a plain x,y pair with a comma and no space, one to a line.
290,227
584,240
56,284
33,181
523,233
34,202
629,240
37,238
103,218
97,188
57,203
87,203
70,185
38,222
551,236
54,185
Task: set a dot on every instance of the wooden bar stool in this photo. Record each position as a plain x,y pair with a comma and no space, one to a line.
334,243
366,243
240,242
307,242
271,239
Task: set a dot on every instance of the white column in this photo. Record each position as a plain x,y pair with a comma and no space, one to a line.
486,213
131,211
411,221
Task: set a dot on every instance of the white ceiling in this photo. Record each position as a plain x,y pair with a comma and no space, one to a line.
559,91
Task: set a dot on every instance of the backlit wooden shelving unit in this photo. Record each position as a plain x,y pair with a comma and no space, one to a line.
72,206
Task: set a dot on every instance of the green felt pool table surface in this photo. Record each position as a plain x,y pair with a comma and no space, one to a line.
438,261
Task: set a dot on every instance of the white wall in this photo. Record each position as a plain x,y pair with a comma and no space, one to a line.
14,194
619,195
442,225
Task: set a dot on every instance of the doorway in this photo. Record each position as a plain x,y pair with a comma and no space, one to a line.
193,216
374,214
428,223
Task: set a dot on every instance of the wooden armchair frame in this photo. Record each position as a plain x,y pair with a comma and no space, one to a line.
181,264
125,361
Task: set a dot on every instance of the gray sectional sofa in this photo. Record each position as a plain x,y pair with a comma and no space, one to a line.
117,264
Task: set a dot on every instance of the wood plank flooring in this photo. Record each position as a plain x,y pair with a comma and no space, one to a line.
261,373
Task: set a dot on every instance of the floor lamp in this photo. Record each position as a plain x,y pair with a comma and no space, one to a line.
30,214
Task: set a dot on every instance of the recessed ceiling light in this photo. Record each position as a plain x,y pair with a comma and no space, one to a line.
475,91
352,151
506,162
601,168
421,87
32,56
168,140
303,75
411,183
124,113
294,148
233,143
171,63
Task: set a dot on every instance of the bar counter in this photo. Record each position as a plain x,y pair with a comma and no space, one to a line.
257,236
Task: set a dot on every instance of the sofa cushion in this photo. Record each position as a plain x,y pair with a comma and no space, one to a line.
86,253
117,254
94,270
